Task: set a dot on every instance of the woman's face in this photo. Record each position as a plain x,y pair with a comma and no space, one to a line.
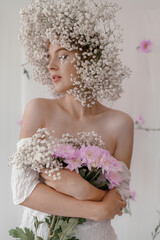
60,63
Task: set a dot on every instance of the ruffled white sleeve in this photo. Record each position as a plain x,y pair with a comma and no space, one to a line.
23,183
123,189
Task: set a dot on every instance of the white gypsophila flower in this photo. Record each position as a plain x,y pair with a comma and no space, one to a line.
37,153
87,26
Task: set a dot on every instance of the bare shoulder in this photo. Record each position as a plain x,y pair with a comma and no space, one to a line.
116,120
123,129
33,117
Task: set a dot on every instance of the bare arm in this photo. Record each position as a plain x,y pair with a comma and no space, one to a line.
125,137
48,200
45,199
72,184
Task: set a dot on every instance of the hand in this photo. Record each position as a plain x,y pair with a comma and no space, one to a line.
111,205
71,183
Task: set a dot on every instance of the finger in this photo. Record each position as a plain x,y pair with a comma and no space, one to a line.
43,170
48,183
124,204
118,196
44,176
119,214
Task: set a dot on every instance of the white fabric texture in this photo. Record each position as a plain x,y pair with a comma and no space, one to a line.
23,184
123,188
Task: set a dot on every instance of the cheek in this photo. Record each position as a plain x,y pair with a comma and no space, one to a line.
70,69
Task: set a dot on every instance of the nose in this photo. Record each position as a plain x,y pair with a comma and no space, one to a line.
52,64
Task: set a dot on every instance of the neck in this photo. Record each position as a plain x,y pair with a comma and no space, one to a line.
75,108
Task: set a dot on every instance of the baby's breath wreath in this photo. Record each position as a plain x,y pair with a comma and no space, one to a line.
83,25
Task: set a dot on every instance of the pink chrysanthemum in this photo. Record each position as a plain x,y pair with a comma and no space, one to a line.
73,164
110,164
91,156
65,151
132,194
114,178
145,46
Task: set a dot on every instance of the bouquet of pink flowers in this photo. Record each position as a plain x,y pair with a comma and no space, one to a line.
93,163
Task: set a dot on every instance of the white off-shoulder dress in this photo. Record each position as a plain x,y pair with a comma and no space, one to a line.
22,186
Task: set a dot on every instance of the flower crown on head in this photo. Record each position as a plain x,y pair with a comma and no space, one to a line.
82,25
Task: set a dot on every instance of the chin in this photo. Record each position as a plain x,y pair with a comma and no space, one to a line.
62,89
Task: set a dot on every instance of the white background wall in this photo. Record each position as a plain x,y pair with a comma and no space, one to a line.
140,20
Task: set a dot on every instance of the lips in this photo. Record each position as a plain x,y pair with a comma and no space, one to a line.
55,78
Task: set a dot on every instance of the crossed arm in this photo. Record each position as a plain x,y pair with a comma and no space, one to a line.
74,196
46,199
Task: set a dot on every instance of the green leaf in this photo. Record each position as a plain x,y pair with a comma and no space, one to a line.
47,221
73,238
81,220
59,223
39,238
37,223
68,229
29,234
56,234
20,234
82,172
40,222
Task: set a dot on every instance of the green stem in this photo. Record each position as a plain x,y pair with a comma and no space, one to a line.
36,234
99,171
89,173
156,232
155,235
54,228
50,229
147,129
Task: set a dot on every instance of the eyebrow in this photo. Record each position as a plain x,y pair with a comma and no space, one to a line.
61,49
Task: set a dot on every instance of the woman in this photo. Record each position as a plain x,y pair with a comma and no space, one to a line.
76,110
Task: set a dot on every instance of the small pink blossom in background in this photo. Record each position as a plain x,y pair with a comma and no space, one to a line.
158,209
132,194
139,119
145,46
19,122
